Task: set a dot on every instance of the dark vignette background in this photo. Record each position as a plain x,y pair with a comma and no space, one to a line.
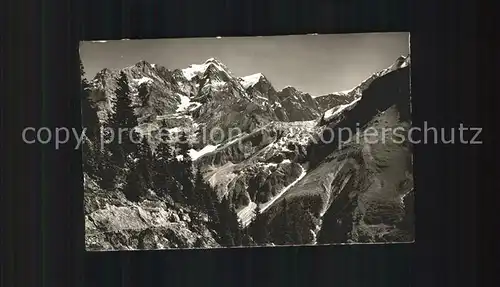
44,200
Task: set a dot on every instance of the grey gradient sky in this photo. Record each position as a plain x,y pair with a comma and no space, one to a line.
316,64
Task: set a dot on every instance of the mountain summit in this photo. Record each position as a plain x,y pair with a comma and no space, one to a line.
200,69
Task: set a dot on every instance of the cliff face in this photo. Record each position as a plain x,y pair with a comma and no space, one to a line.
114,223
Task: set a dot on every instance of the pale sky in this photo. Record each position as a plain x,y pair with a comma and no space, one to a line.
316,64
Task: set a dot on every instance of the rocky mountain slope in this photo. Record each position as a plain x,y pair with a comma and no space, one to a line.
330,101
355,191
114,223
277,167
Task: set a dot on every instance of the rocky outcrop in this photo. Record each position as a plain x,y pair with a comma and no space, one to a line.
114,223
163,94
298,106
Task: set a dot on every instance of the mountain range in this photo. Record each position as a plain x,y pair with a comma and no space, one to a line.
278,167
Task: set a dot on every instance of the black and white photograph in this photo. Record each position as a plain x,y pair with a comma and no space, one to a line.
237,142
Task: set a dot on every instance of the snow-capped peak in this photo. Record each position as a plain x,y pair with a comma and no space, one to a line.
211,60
250,80
142,63
216,62
198,69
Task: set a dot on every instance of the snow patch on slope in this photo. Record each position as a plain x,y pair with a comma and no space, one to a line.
174,130
186,104
235,139
215,84
185,101
194,70
250,80
248,212
195,154
142,80
266,205
333,112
